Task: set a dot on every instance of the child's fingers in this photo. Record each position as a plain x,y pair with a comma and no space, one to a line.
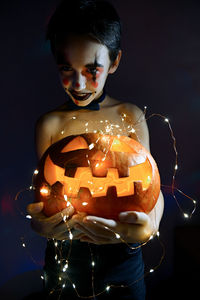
134,217
34,208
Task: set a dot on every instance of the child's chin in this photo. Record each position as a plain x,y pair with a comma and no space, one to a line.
83,103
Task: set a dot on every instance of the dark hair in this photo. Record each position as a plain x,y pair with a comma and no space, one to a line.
95,18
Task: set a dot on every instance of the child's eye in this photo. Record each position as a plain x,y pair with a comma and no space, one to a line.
65,69
92,70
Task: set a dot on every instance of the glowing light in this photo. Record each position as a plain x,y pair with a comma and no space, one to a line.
186,215
42,277
107,288
63,285
62,132
73,118
36,172
44,191
132,130
56,244
166,120
91,146
23,245
176,167
84,203
73,285
151,270
158,233
93,263
65,268
117,235
28,217
70,236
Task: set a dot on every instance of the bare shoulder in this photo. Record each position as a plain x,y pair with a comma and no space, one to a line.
47,121
135,117
45,128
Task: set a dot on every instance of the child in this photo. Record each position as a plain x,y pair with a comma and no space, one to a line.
85,41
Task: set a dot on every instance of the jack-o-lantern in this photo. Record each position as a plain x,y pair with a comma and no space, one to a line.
100,175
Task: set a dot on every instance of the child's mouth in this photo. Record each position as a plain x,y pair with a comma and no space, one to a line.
80,96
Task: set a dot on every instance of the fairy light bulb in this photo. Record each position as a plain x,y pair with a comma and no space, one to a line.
151,270
45,191
36,172
70,236
117,236
107,288
91,146
28,217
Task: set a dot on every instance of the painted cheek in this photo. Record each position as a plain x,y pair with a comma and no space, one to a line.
65,81
95,84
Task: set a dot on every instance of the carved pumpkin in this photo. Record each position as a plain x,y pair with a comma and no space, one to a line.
101,175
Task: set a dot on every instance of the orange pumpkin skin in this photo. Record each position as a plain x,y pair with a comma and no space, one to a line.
98,174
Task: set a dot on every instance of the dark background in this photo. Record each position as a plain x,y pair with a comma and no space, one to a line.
160,69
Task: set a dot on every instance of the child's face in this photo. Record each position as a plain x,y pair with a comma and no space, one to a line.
84,65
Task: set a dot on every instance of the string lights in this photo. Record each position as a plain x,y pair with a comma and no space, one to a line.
123,127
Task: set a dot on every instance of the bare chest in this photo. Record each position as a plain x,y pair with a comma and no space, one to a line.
109,120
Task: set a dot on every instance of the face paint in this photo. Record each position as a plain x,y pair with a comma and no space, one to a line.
94,74
81,55
65,81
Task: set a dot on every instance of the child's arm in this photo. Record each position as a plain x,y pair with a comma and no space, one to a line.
49,227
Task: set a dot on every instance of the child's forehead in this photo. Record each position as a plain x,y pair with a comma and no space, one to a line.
81,49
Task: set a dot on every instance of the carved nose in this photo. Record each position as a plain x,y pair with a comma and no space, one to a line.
99,164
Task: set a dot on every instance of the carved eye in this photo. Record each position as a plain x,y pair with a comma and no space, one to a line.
119,146
76,144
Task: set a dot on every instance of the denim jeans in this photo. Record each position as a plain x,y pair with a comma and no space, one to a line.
115,265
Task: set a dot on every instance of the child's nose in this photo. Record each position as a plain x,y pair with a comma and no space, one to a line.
79,82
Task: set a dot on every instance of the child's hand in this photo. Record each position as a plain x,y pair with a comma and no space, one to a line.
54,226
133,227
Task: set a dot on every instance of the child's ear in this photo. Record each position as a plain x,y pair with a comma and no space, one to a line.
115,64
